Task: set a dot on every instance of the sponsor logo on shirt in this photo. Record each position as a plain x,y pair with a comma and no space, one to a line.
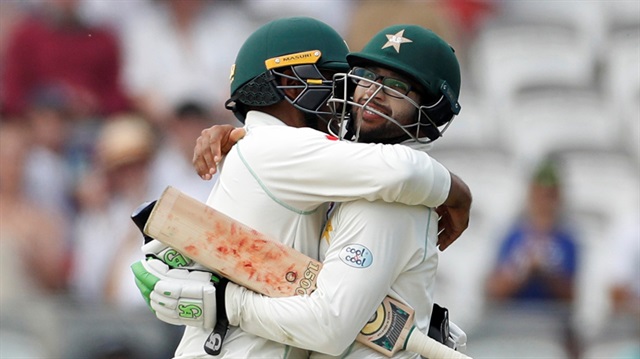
356,255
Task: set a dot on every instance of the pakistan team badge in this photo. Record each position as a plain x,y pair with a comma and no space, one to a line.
396,40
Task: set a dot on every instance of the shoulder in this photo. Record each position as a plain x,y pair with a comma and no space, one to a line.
285,135
566,233
384,213
568,240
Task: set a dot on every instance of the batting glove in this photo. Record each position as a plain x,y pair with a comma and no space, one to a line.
178,296
171,257
457,338
178,290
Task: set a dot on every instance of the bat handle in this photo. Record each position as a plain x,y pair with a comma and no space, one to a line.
140,217
430,348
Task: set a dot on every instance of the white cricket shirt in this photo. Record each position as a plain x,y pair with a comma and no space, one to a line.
369,250
279,179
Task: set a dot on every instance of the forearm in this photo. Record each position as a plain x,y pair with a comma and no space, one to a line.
561,285
342,172
305,322
318,322
454,213
503,284
459,195
330,318
319,169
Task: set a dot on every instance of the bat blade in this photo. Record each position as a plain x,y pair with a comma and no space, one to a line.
253,260
230,248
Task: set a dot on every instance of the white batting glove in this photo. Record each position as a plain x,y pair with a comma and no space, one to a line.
177,296
170,256
457,338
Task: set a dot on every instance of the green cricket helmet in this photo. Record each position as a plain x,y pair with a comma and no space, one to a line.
419,55
306,46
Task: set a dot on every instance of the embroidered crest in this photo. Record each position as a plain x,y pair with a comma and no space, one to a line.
396,40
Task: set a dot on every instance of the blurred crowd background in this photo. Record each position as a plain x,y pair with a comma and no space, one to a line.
102,100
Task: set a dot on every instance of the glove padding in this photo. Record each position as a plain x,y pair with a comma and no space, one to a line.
177,296
171,257
457,339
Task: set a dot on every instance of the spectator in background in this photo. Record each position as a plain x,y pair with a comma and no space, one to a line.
49,175
54,47
537,260
11,14
369,16
172,165
34,253
458,21
625,266
183,50
106,238
116,18
335,13
624,290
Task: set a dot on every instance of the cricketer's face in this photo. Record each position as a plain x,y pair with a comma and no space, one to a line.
376,128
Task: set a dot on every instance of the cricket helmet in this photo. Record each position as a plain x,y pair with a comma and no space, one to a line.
421,56
306,46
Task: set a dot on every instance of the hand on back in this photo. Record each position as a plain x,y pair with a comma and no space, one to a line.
214,143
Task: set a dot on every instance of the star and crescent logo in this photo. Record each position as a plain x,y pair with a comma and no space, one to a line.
396,40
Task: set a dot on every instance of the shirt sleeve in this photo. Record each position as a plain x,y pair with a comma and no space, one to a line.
303,167
362,263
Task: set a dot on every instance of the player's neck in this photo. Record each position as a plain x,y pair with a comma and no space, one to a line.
286,113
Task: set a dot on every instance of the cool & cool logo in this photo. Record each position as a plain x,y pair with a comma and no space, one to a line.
356,255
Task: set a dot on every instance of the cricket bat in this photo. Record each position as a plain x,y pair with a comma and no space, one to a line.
251,259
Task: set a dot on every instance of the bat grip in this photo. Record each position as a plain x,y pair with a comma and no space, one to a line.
430,348
140,217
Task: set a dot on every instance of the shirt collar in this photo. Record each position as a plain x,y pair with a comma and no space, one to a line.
258,118
423,147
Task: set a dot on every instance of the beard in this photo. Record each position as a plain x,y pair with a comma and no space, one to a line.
381,134
385,133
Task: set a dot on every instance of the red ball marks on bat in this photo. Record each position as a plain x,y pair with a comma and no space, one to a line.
257,245
248,268
273,255
191,250
222,250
